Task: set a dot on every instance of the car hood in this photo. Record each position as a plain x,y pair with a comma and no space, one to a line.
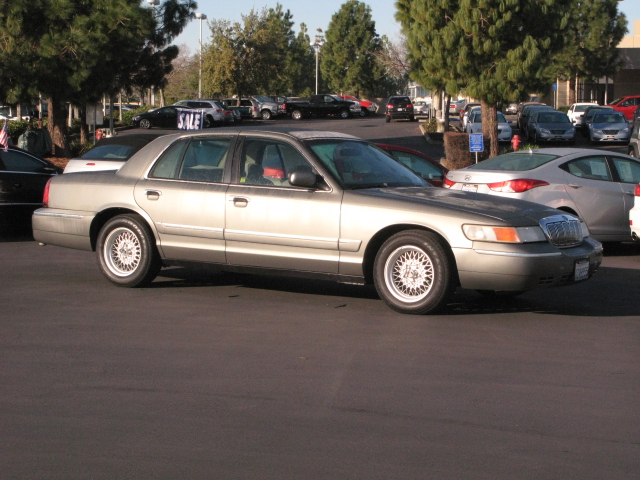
438,200
555,126
610,126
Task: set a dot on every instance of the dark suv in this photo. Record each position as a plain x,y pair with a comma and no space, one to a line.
399,106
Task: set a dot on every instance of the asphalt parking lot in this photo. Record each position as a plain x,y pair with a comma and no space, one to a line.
205,375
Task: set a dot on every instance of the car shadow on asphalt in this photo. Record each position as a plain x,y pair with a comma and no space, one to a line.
612,292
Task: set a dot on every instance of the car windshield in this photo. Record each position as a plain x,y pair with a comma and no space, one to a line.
581,108
553,117
592,111
609,118
357,165
514,162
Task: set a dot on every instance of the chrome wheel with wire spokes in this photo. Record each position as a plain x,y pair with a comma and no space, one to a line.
409,273
122,252
126,251
414,272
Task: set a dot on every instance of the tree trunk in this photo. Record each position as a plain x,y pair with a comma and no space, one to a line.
57,126
84,128
446,112
573,84
490,127
437,106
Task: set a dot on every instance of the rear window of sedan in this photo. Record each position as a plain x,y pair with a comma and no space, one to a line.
514,162
110,152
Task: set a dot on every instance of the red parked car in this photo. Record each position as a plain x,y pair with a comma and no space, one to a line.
367,107
425,166
626,105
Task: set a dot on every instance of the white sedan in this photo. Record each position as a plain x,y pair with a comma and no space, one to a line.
474,125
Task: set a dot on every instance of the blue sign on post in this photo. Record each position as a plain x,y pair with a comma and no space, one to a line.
476,142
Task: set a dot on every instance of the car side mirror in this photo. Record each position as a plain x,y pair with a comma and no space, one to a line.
305,179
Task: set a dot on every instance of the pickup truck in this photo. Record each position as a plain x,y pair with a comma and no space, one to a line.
320,105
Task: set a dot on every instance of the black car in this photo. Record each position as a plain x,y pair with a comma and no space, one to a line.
164,117
397,107
23,177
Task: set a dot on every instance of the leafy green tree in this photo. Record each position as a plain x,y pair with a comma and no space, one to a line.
348,61
74,51
300,65
496,51
259,55
595,28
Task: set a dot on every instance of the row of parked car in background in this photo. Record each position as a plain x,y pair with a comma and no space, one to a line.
225,111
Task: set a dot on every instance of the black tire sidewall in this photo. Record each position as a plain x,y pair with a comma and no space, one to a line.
149,265
444,272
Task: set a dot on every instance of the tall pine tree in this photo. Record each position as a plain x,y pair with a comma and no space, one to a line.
348,61
494,50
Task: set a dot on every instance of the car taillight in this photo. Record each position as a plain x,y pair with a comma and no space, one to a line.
409,105
389,106
45,194
516,186
637,191
448,183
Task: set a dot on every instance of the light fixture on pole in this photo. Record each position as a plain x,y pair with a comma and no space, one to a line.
317,45
201,17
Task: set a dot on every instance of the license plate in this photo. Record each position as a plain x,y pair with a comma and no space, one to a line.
581,270
469,188
401,109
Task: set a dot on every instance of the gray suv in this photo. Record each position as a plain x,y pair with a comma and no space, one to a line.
266,107
634,147
217,113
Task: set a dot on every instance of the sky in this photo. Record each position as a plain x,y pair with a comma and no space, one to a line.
317,14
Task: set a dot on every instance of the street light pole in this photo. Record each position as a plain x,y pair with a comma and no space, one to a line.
201,17
317,45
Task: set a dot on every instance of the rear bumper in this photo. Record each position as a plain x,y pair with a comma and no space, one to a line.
524,267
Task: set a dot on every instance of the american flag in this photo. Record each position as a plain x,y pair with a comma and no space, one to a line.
4,137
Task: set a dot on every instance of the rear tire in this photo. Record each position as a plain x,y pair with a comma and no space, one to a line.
413,273
387,119
127,253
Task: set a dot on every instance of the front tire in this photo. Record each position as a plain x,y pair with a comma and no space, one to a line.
413,273
127,254
297,115
266,114
345,113
145,123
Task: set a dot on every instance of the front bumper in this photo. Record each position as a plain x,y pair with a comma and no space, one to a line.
509,267
603,136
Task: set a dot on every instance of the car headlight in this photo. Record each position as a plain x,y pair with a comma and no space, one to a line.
596,130
486,233
624,130
571,131
545,131
136,118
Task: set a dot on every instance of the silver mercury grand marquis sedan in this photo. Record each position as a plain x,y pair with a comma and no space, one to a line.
311,204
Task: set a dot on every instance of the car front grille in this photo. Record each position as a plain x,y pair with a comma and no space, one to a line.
558,132
562,230
610,132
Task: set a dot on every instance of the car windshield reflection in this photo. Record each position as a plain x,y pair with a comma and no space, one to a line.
359,165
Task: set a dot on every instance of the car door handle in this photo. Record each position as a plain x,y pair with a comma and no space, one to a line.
574,185
153,194
239,201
